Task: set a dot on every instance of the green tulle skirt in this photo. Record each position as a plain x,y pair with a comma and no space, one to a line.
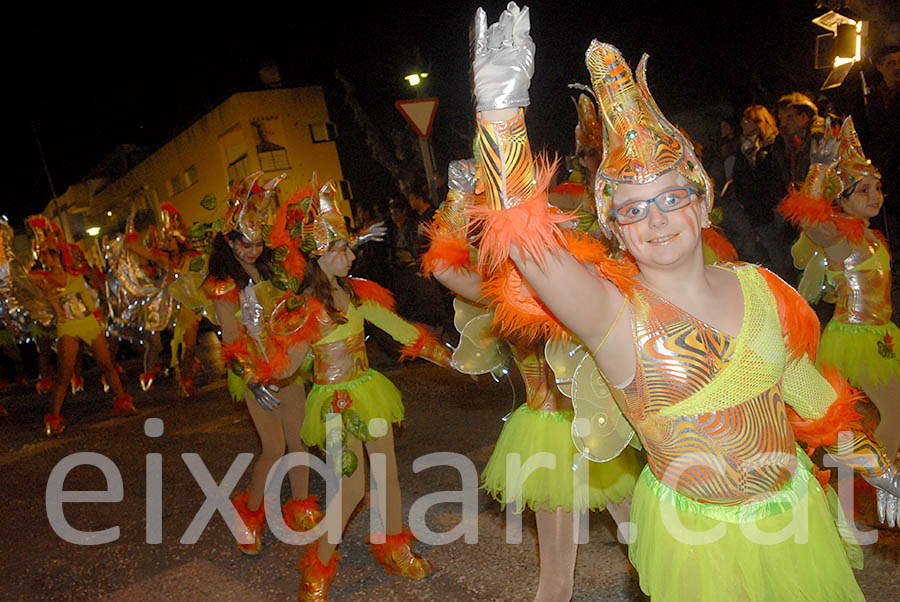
744,562
372,395
87,329
544,440
862,353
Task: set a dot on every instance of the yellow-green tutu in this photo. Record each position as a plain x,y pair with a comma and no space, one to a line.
862,353
372,395
87,329
528,432
734,567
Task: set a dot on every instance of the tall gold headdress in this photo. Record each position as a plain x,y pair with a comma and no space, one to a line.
640,144
251,205
323,223
171,224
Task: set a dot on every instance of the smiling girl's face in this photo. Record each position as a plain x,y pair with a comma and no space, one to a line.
662,238
866,198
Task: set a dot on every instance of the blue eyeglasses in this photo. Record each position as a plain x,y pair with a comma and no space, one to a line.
669,200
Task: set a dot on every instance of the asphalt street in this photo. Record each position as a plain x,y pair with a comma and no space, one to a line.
446,412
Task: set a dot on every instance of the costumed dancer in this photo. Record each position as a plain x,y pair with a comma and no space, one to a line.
24,309
262,369
157,310
702,360
186,270
310,233
543,424
77,319
840,254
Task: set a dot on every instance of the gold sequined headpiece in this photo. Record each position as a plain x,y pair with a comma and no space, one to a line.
640,144
251,205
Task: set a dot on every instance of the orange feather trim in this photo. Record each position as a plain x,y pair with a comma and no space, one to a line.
521,315
799,323
313,568
804,211
569,188
235,350
225,290
253,519
263,369
425,339
170,208
530,225
371,291
518,313
306,315
445,251
841,415
715,240
131,237
382,551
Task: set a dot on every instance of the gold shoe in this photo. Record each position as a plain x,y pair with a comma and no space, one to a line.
250,539
302,515
77,384
397,557
187,387
315,577
54,425
124,406
147,379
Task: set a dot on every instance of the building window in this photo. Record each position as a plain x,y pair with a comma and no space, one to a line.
276,159
175,185
322,132
239,168
346,192
191,176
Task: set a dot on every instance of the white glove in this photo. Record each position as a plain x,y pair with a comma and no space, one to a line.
825,151
461,175
502,59
374,232
251,312
887,488
264,395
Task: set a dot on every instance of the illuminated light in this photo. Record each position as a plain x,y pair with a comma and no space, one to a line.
414,79
838,61
94,231
109,214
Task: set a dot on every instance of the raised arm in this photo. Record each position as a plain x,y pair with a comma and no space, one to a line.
519,223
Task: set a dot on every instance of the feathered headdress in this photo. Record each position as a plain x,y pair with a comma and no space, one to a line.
815,201
640,144
171,224
251,205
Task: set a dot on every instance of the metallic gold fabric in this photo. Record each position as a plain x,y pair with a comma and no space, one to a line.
340,361
863,287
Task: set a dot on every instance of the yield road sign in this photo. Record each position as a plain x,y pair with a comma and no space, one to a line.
419,112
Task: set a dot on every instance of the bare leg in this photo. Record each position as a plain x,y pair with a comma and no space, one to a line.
392,513
188,346
151,352
886,398
292,411
352,491
104,359
557,547
45,354
271,437
67,352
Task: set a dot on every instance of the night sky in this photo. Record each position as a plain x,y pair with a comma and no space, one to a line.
88,82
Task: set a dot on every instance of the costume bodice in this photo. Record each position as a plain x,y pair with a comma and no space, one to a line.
340,355
863,286
73,301
541,392
726,455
